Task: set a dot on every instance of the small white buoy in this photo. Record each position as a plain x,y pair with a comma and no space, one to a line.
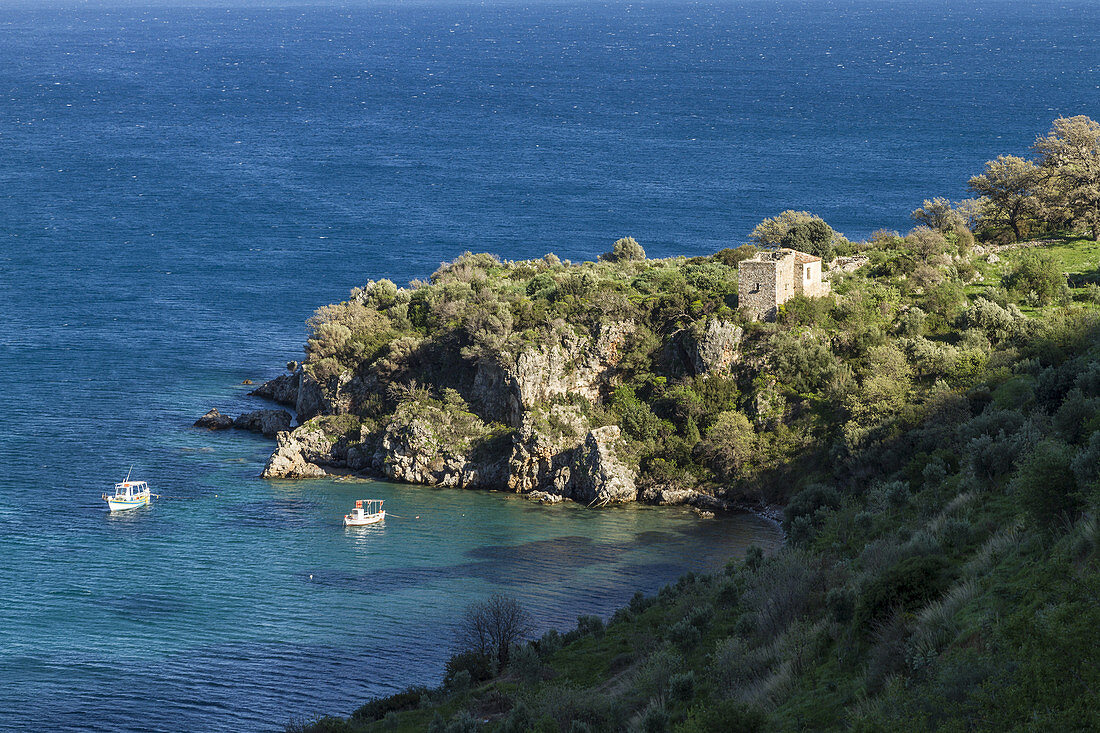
311,576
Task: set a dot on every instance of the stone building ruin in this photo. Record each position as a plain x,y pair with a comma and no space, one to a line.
772,277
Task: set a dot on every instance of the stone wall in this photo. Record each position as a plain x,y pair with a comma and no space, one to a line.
771,278
758,287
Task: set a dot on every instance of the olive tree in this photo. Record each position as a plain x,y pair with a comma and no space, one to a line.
939,213
1009,188
1070,156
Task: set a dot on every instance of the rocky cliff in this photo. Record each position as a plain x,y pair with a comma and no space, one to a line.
510,376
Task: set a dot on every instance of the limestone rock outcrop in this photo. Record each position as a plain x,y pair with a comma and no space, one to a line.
214,420
599,475
438,445
715,351
668,495
564,363
587,469
297,453
268,422
283,389
542,459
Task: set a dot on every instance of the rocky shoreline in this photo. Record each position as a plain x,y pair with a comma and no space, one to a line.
551,454
511,376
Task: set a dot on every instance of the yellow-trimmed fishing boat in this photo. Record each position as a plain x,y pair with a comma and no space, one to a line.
128,495
370,514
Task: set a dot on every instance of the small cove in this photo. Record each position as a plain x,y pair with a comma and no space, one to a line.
183,186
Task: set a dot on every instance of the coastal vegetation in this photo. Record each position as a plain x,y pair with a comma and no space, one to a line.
932,429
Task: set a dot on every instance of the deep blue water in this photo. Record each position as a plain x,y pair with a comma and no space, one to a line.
180,187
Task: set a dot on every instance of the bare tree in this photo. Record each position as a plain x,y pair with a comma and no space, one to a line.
491,626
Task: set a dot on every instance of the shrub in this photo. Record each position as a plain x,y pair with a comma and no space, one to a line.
635,416
477,667
841,603
887,656
461,723
524,663
732,257
729,716
814,237
992,457
913,322
729,445
624,250
684,634
1047,486
1086,464
1037,278
549,643
378,708
925,242
519,720
681,687
770,232
996,322
785,587
590,626
1077,417
640,602
905,586
326,724
809,503
805,364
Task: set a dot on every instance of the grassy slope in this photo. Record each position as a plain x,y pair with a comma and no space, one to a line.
946,575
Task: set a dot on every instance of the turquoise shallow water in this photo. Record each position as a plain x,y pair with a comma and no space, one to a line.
234,603
180,187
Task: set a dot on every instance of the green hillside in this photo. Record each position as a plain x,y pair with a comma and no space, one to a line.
933,431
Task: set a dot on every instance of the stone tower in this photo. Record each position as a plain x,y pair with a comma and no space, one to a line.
772,277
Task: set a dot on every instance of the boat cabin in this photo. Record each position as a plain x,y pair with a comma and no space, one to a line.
131,488
366,511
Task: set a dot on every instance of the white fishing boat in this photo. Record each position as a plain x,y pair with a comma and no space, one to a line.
128,495
370,514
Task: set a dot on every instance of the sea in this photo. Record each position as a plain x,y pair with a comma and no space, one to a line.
181,185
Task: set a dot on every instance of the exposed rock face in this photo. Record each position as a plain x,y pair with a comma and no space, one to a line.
541,461
599,476
849,264
708,348
268,422
282,389
588,470
715,351
666,495
310,400
214,420
296,454
565,363
337,397
432,445
553,455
